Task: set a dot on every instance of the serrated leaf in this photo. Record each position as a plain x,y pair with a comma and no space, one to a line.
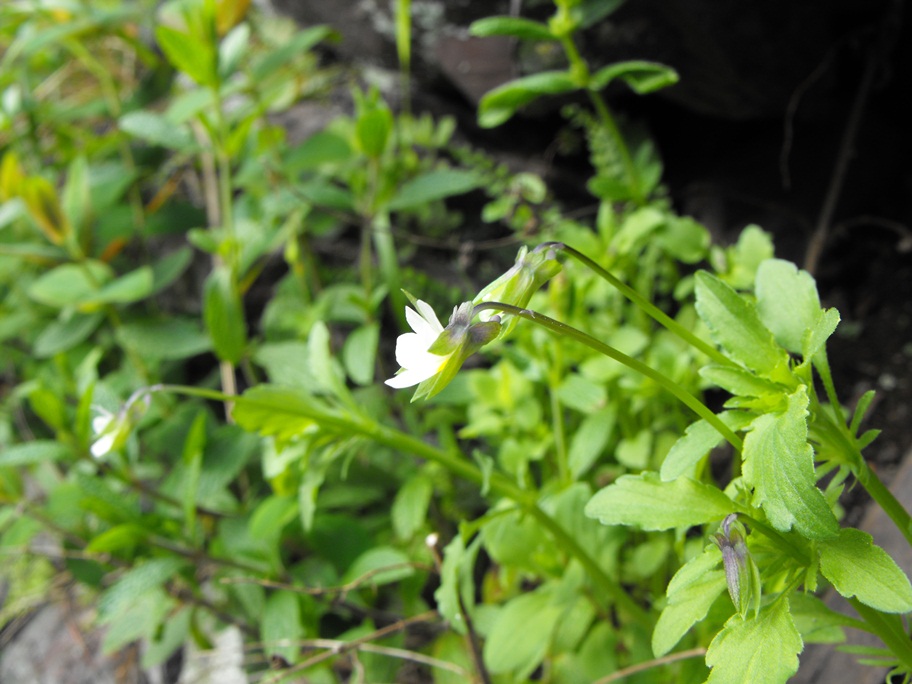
501,103
691,592
787,302
735,326
760,650
697,441
815,338
517,27
646,502
278,411
739,382
642,77
779,465
432,186
857,567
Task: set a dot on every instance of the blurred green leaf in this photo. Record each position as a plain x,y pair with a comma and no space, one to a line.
642,77
223,313
194,57
66,332
501,103
517,27
155,129
30,453
281,625
434,185
164,338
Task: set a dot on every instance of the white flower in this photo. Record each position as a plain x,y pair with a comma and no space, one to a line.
418,364
431,355
105,429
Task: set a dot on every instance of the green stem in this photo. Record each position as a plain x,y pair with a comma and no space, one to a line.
633,177
662,380
889,630
458,464
885,499
649,308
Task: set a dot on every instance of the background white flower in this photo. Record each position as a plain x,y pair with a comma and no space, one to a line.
106,432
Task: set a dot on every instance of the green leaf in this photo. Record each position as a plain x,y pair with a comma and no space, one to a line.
281,412
194,57
66,332
409,510
582,394
593,11
155,129
319,149
779,465
815,338
301,42
646,502
323,364
519,638
432,186
642,77
359,353
691,592
76,201
857,567
167,338
29,453
170,267
589,440
761,650
379,565
457,581
223,313
735,326
501,103
372,130
787,302
132,287
136,582
69,284
281,625
232,49
739,382
697,441
517,27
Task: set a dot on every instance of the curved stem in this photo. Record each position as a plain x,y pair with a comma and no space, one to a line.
649,308
662,380
458,464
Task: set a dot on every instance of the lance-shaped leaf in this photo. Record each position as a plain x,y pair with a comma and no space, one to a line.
734,324
779,465
646,502
761,650
642,77
857,567
690,594
517,27
501,103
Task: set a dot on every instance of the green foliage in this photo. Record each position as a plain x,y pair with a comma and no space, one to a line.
210,446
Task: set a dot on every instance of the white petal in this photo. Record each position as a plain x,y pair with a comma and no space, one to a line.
408,346
103,445
100,423
428,314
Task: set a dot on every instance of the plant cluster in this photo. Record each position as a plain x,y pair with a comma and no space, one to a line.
569,508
